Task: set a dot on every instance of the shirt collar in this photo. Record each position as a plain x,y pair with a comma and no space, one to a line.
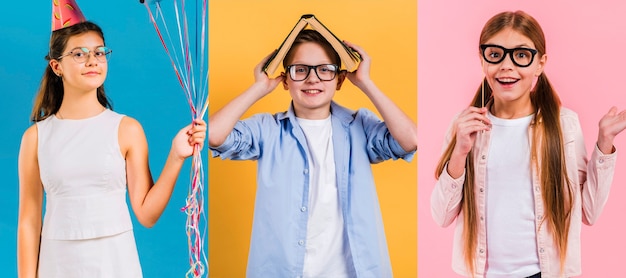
345,115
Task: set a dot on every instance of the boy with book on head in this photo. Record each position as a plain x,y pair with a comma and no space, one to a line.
316,210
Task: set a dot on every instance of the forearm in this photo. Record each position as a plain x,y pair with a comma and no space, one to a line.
160,193
222,122
401,127
596,179
456,165
28,240
445,199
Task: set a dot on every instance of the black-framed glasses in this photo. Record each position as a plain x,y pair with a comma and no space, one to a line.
521,56
325,72
81,54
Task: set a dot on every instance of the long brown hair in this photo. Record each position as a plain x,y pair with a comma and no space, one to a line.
547,152
50,93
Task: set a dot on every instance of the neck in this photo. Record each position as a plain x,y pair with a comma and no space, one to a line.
313,114
79,106
512,109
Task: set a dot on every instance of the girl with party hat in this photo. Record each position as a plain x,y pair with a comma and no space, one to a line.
85,157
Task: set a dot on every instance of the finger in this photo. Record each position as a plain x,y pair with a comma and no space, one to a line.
266,58
357,48
475,117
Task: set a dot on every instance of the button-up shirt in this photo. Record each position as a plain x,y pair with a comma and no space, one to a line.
279,227
590,181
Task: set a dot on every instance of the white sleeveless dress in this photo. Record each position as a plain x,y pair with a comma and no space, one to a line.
87,230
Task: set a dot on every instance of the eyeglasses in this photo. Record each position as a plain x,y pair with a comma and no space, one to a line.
325,72
81,54
521,56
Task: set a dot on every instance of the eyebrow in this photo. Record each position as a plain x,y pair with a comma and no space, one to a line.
81,47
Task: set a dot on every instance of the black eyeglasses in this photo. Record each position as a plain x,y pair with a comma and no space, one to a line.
325,72
495,54
81,54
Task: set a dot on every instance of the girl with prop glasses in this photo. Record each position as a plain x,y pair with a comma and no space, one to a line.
84,156
515,174
316,210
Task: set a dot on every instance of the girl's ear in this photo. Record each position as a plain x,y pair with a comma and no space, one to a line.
340,78
285,86
542,64
56,67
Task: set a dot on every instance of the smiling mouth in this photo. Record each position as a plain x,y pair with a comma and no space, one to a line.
507,80
311,92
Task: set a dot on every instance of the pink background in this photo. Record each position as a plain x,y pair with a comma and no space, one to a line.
586,46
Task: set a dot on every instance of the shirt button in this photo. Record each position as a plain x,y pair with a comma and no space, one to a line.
539,217
541,250
301,242
481,190
306,171
482,218
481,251
483,156
303,209
454,186
537,188
601,160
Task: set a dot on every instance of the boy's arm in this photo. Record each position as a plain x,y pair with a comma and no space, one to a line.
401,127
221,123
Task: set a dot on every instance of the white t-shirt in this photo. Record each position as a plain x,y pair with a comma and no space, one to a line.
511,236
327,251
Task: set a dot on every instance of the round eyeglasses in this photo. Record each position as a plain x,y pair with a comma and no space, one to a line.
81,54
325,72
495,54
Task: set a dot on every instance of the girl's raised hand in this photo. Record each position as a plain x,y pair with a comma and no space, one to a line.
610,126
471,121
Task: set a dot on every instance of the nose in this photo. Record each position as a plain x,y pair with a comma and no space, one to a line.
91,58
507,63
312,76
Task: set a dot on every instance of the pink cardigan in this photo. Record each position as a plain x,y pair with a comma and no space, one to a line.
593,176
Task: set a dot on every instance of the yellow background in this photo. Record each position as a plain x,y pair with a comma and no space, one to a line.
241,33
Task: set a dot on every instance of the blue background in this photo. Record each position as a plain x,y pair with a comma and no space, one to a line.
141,84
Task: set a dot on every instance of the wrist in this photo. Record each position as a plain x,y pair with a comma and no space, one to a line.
605,144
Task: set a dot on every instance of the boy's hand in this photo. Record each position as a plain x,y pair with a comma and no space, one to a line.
361,75
264,82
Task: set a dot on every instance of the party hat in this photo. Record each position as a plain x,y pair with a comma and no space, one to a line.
65,13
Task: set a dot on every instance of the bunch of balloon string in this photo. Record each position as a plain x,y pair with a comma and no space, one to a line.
186,46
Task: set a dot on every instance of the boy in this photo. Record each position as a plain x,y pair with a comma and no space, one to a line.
316,210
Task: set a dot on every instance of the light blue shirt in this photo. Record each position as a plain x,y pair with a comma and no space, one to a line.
280,215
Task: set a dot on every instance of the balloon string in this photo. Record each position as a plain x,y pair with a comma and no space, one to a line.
196,223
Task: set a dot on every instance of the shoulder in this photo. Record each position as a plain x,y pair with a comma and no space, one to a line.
568,115
30,135
129,125
569,120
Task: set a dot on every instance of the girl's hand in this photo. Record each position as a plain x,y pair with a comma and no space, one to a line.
609,127
186,139
471,121
266,84
362,73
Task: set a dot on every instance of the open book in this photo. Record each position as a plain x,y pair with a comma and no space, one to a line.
349,57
